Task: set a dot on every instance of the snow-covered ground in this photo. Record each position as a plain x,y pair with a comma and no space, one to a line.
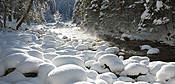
66,55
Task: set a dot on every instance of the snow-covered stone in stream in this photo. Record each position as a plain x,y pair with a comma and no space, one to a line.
81,47
50,44
12,60
112,61
50,56
134,69
23,82
4,82
48,50
166,72
87,44
100,81
126,79
35,53
31,64
139,58
91,74
145,47
155,66
67,52
99,54
13,77
153,51
48,38
67,74
44,70
2,68
106,78
114,77
101,48
112,50
171,81
88,54
147,78
122,82
67,59
97,67
89,63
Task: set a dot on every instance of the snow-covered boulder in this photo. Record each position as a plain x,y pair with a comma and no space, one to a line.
13,77
145,47
44,70
35,53
97,67
126,79
147,78
67,74
50,56
166,72
153,51
134,69
89,63
67,59
112,50
106,78
112,61
81,47
101,48
31,64
12,60
99,54
137,59
92,74
155,66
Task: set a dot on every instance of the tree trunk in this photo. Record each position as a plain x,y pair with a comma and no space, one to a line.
25,15
5,14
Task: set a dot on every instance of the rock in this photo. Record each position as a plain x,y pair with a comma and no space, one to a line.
67,74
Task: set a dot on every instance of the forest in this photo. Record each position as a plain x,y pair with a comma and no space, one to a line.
87,42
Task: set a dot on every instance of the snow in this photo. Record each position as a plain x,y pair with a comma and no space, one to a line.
112,61
77,58
166,72
112,50
145,47
67,74
134,69
67,59
153,51
29,65
2,68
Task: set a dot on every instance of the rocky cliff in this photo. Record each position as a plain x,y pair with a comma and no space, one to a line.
134,19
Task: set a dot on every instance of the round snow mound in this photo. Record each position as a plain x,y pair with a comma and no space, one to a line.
112,61
134,69
67,59
67,74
